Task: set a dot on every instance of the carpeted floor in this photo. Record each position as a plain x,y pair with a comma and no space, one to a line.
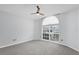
38,47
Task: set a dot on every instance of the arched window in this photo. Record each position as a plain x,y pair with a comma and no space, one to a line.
50,28
50,20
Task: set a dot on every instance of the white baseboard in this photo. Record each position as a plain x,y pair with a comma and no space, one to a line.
63,44
71,47
15,44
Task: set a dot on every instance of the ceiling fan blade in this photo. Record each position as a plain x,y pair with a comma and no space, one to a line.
41,13
58,14
33,13
38,13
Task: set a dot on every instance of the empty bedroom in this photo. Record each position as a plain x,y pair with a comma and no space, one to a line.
39,29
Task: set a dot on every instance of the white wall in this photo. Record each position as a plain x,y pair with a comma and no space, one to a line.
69,26
15,27
37,29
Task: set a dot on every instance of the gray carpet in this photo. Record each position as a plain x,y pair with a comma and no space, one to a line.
38,47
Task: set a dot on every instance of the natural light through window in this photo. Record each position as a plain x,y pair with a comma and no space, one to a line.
50,20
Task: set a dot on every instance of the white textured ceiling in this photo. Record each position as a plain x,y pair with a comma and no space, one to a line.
52,9
26,9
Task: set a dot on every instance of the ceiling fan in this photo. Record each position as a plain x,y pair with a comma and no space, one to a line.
38,11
